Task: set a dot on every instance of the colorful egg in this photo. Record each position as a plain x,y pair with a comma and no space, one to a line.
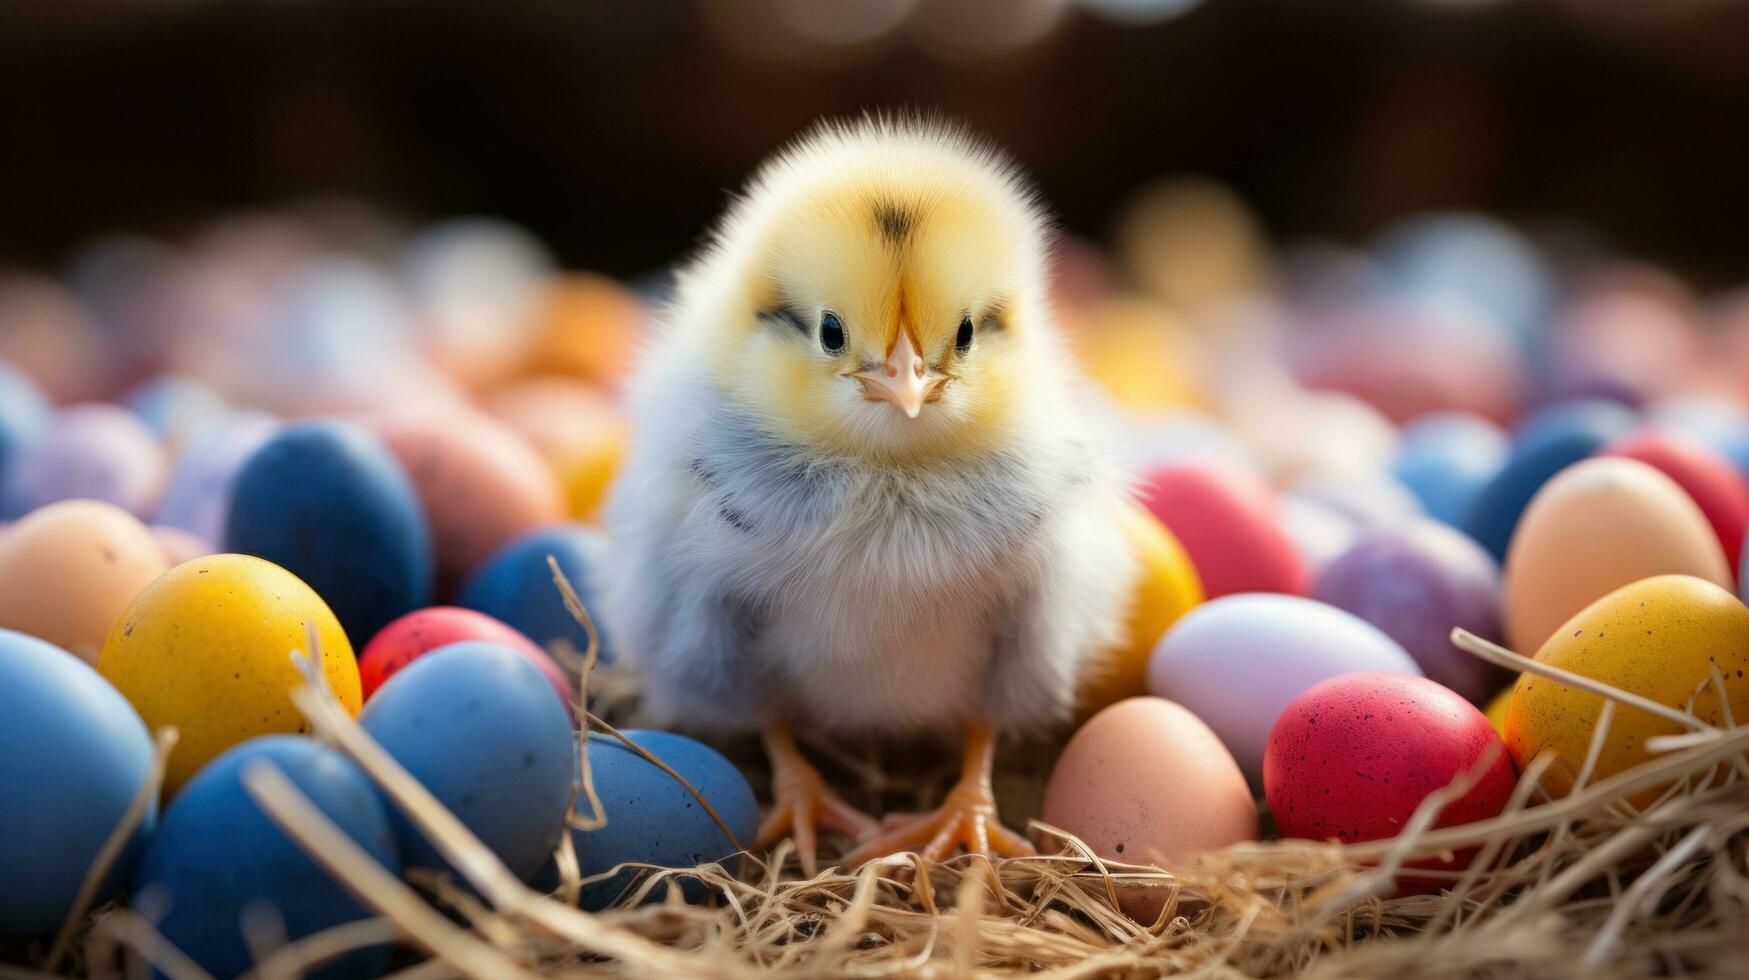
1237,661
329,502
481,484
421,631
1546,443
1228,521
207,648
1354,756
99,452
1445,460
1144,782
1595,527
217,860
475,723
575,425
516,585
1166,587
198,497
24,414
1417,582
588,327
1708,478
1660,638
88,755
651,818
68,570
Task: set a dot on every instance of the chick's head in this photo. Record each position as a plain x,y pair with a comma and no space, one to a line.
885,293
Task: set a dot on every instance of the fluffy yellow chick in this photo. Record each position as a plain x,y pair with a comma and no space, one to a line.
860,496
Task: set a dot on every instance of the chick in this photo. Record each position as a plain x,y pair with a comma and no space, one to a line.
860,496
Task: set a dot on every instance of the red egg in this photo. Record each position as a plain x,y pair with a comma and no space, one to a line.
1227,520
1352,757
1704,475
423,630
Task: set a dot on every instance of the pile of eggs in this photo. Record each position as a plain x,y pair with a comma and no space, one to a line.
324,426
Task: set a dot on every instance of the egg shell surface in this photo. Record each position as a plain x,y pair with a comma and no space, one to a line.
68,570
1237,661
1543,445
1595,527
423,630
1145,781
330,503
1660,638
475,723
100,452
515,585
1352,757
215,853
207,647
1417,582
480,482
651,819
88,755
1707,477
1165,589
1227,521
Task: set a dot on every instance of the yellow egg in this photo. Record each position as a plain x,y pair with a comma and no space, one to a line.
587,470
1658,638
69,569
1597,526
207,648
1496,711
1166,588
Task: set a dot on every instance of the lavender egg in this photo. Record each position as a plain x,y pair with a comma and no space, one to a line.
198,498
99,452
1416,582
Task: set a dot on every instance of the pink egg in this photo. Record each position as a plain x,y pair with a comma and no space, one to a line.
1352,757
1707,477
1146,782
1229,522
481,483
419,632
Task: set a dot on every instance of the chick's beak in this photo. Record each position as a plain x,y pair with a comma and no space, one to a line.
904,380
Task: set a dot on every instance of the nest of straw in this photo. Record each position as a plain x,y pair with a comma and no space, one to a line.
1586,885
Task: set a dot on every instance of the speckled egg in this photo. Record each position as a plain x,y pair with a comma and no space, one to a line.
207,648
329,502
516,585
1237,661
217,859
652,819
480,482
1595,527
419,632
1145,781
1417,582
88,755
1543,445
476,723
1227,520
1352,757
68,570
99,452
1660,638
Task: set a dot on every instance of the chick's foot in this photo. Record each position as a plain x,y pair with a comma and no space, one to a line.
802,803
967,819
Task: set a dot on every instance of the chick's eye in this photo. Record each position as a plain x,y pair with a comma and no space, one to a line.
831,333
962,341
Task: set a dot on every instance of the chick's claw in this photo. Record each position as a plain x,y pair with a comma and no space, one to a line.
968,819
802,803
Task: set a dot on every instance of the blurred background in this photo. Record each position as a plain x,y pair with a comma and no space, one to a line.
613,130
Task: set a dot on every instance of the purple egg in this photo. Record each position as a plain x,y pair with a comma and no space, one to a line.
1416,581
198,498
99,452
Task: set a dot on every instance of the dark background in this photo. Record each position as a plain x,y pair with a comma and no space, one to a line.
614,130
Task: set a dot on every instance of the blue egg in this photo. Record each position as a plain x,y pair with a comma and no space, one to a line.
329,503
76,755
24,413
651,819
478,725
1543,444
1445,459
216,855
516,586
